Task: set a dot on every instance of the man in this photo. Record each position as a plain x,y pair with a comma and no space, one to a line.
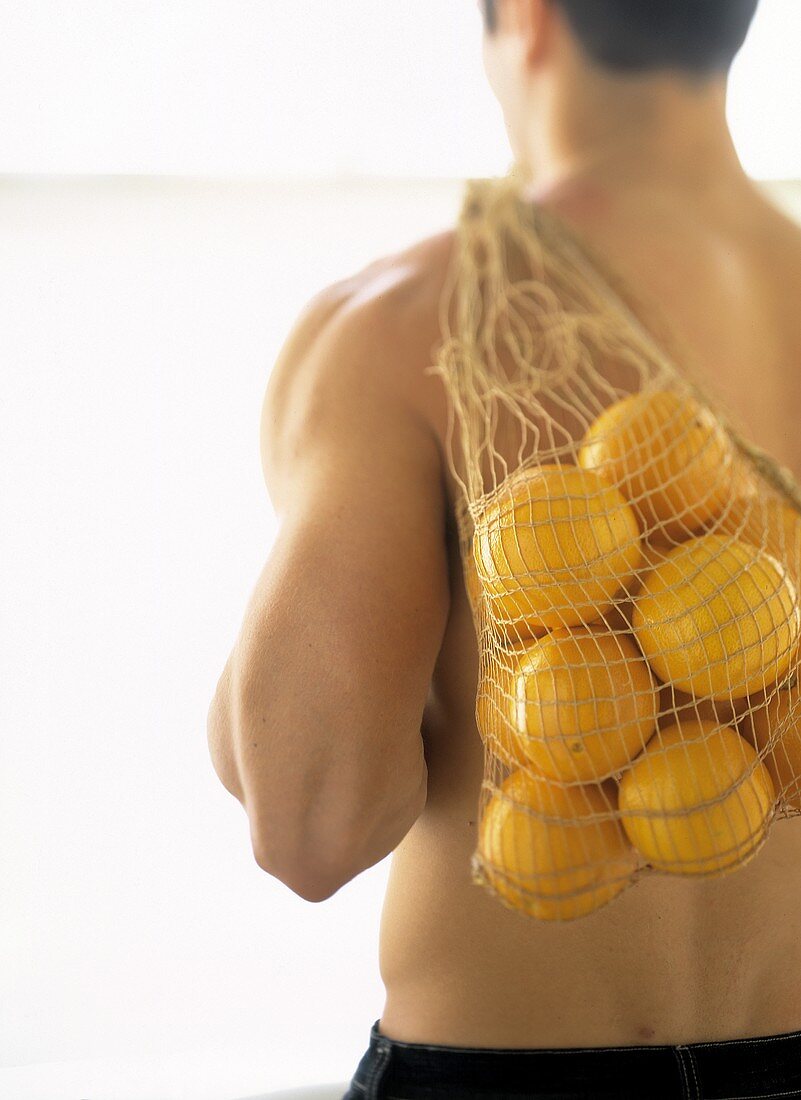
344,720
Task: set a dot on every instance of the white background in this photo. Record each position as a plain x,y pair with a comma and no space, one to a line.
143,954
302,88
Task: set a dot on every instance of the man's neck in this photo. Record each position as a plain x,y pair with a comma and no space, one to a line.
640,134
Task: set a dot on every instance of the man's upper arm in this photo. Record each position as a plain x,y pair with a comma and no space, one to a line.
340,639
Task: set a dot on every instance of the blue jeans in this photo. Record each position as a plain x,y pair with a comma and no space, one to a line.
764,1067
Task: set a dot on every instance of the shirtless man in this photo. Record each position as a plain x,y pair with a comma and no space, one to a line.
344,720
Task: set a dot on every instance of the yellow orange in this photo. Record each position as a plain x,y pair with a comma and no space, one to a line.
652,556
553,548
769,523
746,479
718,618
668,455
494,708
679,706
618,618
556,869
585,703
775,729
688,803
471,579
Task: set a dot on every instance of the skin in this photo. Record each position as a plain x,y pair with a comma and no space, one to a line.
353,428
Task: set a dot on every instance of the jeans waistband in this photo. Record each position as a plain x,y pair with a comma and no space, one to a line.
728,1069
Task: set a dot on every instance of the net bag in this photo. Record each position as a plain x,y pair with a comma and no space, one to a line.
633,569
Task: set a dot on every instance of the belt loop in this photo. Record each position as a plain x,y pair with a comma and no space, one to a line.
372,1086
686,1061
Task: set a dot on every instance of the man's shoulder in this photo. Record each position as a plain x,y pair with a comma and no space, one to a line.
383,299
380,323
373,332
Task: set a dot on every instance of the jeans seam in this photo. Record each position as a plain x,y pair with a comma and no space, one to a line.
691,1089
691,1060
678,1051
756,1039
764,1095
376,1074
528,1051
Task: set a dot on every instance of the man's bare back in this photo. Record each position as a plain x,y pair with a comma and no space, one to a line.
670,960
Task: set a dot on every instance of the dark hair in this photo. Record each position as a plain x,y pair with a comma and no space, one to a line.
699,36
490,15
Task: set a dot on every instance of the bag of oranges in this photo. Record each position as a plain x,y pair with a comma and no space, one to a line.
634,570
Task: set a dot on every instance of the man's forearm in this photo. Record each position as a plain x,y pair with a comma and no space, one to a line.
337,824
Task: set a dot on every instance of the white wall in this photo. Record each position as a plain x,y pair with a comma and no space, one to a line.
143,954
303,87
141,948
140,320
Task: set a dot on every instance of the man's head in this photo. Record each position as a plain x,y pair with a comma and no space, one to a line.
700,37
592,64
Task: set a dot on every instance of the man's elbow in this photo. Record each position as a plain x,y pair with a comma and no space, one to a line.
315,861
310,882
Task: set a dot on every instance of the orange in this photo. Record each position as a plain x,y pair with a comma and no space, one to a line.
618,618
669,457
652,555
775,730
471,580
557,869
553,548
718,618
678,706
770,524
585,703
494,707
688,803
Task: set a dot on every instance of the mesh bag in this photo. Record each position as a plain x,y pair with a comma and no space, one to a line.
632,565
